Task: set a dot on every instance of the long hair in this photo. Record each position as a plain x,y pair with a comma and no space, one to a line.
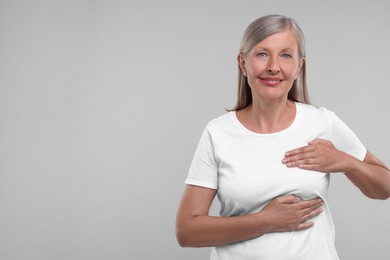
257,31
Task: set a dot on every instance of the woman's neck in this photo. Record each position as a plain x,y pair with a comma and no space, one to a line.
268,117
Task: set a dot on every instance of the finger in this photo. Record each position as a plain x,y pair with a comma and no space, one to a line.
309,166
300,150
295,151
303,158
315,212
310,204
304,226
319,141
289,199
309,210
316,141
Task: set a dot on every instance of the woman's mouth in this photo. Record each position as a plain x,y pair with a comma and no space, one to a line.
271,82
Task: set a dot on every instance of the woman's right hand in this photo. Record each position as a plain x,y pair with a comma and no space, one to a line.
289,213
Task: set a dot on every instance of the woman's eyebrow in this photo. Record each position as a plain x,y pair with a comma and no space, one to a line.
261,48
289,50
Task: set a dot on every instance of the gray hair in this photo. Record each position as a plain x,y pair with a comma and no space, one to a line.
257,31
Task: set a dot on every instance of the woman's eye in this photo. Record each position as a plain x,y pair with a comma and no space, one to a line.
287,55
262,54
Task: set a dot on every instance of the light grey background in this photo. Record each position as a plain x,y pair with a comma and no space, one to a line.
102,104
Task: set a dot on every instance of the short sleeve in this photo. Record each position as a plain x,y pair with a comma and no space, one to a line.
344,138
204,168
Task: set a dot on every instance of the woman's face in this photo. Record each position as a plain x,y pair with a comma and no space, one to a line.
272,66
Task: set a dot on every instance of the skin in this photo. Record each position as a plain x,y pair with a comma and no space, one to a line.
271,68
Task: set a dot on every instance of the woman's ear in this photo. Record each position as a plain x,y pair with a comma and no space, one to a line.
241,63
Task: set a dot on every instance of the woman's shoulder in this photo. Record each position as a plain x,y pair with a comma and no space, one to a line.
222,123
222,120
311,114
308,109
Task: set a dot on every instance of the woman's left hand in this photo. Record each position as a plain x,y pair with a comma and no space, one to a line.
319,155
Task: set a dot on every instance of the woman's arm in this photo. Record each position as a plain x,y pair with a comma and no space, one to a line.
195,228
371,175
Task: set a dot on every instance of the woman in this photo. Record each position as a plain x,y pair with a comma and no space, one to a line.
270,158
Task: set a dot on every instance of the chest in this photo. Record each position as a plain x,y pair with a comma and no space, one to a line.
251,174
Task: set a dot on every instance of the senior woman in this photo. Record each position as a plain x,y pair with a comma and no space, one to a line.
270,158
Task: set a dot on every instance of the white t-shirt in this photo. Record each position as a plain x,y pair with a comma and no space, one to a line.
246,168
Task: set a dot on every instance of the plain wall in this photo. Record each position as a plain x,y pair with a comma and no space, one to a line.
102,104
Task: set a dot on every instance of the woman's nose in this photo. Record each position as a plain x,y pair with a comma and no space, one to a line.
273,66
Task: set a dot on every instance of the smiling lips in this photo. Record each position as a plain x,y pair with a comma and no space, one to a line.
271,82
